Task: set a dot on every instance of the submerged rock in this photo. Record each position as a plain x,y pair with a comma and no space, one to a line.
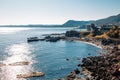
67,59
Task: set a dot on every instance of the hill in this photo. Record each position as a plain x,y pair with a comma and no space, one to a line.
76,23
109,20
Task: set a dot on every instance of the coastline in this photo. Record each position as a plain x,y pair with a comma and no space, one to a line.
90,43
96,44
91,67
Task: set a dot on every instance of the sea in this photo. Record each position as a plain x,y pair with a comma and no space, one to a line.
55,59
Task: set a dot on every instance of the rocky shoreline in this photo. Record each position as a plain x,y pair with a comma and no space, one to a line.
103,67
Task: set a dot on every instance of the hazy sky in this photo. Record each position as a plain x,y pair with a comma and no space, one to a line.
55,11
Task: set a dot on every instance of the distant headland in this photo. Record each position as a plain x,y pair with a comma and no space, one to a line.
112,20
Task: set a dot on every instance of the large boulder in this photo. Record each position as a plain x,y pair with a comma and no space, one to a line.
72,33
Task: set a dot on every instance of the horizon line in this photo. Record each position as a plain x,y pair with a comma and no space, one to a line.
55,23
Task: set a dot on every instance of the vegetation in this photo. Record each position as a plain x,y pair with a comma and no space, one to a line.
84,33
114,32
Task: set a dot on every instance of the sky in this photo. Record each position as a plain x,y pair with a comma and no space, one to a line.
23,12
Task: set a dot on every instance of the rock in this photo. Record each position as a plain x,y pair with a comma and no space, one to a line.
89,54
79,65
119,46
72,33
67,59
31,39
71,76
52,39
19,63
104,67
2,64
77,71
29,75
61,79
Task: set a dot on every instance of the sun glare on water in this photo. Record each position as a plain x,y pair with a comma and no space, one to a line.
8,30
18,54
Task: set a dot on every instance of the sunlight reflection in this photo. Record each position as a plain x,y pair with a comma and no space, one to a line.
8,30
16,53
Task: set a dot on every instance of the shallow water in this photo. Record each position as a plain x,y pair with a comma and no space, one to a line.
43,56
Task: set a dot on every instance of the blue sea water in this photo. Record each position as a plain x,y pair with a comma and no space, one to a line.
49,57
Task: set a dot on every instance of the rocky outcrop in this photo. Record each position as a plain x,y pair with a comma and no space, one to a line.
19,63
110,41
73,75
104,67
52,39
72,33
29,75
